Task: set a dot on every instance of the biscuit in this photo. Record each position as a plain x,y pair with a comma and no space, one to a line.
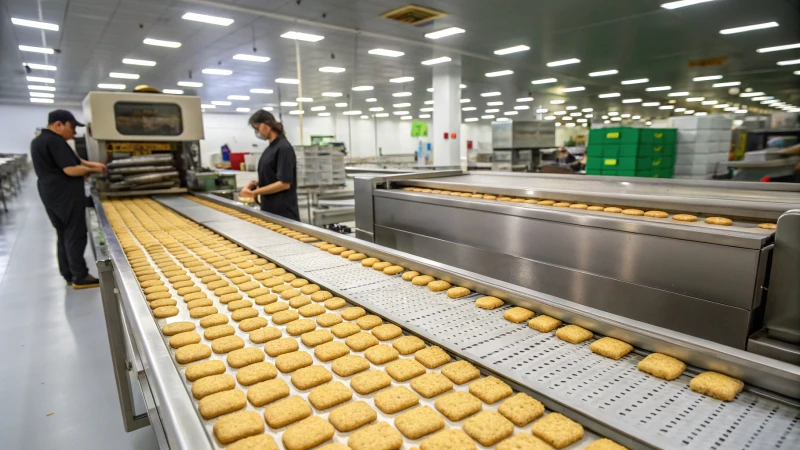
518,315
573,334
212,384
431,384
276,307
368,322
266,392
239,304
386,332
557,430
244,313
407,345
192,353
380,266
213,320
314,338
369,382
252,324
217,284
768,226
227,344
523,441
349,365
405,369
351,416
488,427
578,206
264,335
258,442
337,250
266,299
309,377
521,409
392,270
154,289
422,280
448,439
162,302
286,412
684,218
277,272
256,373
188,290
612,209
419,422
283,317
174,328
656,214
311,310
353,313
395,399
561,204
289,362
289,293
321,296
432,357
182,339
347,253
157,296
225,402
490,389
300,282
237,426
544,324
204,369
328,320
244,357
280,346
163,312
610,347
272,282
357,257
662,366
299,301
716,385
307,433
457,292
329,395
542,202
410,275
368,262
154,282
381,354
380,436
257,292
719,221
439,285
202,311
205,280
298,327
361,341
345,329
198,303
458,405
227,298
334,303
489,302
604,444
309,289
633,212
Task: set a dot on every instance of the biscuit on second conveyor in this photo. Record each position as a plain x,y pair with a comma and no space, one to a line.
182,339
458,292
315,338
662,366
191,353
419,422
573,334
351,416
289,362
381,354
461,372
431,384
281,346
488,427
353,313
256,373
163,312
361,341
240,425
286,412
298,327
309,377
331,350
422,280
328,319
276,307
611,348
213,320
452,438
252,324
380,436
307,433
227,344
458,405
684,218
225,402
335,303
204,369
321,296
432,357
410,275
544,324
439,285
300,301
490,389
258,442
523,441
518,315
405,369
716,385
264,335
489,302
557,430
395,399
521,409
329,395
369,382
212,384
267,392
349,365
605,444
285,317
245,356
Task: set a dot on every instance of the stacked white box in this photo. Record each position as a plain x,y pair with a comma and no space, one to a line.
337,162
319,166
703,143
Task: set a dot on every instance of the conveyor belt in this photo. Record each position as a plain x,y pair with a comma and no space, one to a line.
606,395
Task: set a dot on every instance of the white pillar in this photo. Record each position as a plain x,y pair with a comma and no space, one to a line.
447,113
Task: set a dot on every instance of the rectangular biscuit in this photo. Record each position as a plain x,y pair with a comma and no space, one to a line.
281,346
315,338
432,357
245,356
369,382
300,301
227,344
431,384
407,345
344,330
225,402
335,303
264,335
348,365
361,341
488,427
204,369
557,430
395,399
213,320
379,436
521,409
329,395
309,377
301,326
525,441
573,334
307,433
405,369
458,405
419,422
286,412
351,416
381,354
518,315
237,426
289,362
716,385
252,323
266,392
662,366
544,324
212,384
191,353
256,373
611,348
174,328
490,389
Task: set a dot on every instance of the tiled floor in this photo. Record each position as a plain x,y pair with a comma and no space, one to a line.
57,389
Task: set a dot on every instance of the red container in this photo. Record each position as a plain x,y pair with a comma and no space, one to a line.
237,160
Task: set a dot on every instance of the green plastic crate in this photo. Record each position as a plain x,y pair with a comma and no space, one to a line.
594,163
662,162
622,135
630,163
596,137
661,149
659,135
611,151
631,150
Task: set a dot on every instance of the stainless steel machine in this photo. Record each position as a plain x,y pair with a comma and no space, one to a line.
735,285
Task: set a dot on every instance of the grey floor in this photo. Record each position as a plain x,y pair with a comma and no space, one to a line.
56,385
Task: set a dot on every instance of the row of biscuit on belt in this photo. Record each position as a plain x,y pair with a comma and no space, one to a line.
721,221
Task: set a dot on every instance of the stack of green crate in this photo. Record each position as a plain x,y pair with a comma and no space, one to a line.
631,152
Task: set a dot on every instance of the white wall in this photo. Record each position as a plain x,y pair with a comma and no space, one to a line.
20,122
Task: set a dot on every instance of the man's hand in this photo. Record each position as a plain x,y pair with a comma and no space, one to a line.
252,185
246,193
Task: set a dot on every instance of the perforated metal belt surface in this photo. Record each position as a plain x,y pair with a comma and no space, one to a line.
664,414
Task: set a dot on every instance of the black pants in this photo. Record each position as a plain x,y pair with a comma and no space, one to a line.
70,224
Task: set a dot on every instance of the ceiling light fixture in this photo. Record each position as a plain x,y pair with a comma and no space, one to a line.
499,73
127,76
573,89
522,107
333,94
492,110
494,103
385,52
524,99
307,37
762,98
635,81
304,99
778,48
758,26
428,102
571,108
376,109
332,69
720,106
318,108
751,94
790,62
401,79
260,91
490,94
678,94
221,103
514,49
190,84
28,48
575,114
613,113
401,94
242,109
610,95
434,61
251,58
650,104
469,108
487,117
363,88
677,110
40,79
444,33
287,80
658,88
238,97
283,103
695,99
297,112
111,86
424,116
401,105
557,102
707,78
727,84
41,94
382,115
587,110
426,109
34,24
41,100
709,102
267,108
371,100
352,113
138,62
632,100
682,3
665,107
172,91
40,66
544,81
604,73
41,88
563,62
560,113
511,113
465,100
225,72
341,105
161,43
207,19
406,118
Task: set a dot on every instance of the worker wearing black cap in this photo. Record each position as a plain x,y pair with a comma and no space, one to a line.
60,174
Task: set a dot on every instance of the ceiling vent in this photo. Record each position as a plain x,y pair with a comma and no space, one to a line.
413,14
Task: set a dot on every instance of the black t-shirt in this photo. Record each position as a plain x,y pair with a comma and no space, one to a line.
50,154
279,163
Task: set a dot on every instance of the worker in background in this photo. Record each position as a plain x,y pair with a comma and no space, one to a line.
61,174
277,169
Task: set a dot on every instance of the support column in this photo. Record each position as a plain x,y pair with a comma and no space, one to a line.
447,113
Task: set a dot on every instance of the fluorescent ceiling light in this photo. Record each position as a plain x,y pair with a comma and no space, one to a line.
635,81
613,113
727,84
172,91
490,94
751,94
707,78
557,102
401,94
161,43
190,84
522,107
302,36
424,116
769,102
511,113
400,113
732,108
560,113
341,105
610,95
444,33
324,114
34,24
40,66
238,97
514,49
720,106
41,88
284,103
42,94
242,109
471,119
376,109
385,52
658,88
573,89
524,99
111,86
758,26
318,108
695,99
406,118
678,94
332,69
649,104
492,110
604,73
382,115
207,19
253,58
790,62
667,107
494,103
778,48
28,48
260,91
588,115
371,100
331,94
41,79
267,108
544,81
217,71
401,79
632,100
487,117
616,119
221,103
563,62
41,100
469,108
127,76
138,62
304,99
352,113
682,3
434,61
363,88
401,105
709,102
549,117
571,108
428,102
462,86
575,114
739,111
584,120
297,112
499,73
677,110
465,100
701,114
287,81
626,116
587,110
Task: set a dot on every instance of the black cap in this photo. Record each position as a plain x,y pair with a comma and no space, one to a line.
63,116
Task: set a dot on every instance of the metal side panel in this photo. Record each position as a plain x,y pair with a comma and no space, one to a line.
782,318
